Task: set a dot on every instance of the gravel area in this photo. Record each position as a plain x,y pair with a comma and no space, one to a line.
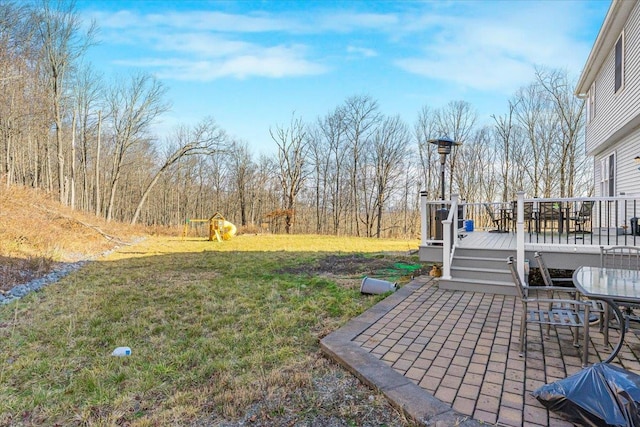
59,271
23,289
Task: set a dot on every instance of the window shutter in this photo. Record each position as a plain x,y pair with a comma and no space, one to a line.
619,60
612,173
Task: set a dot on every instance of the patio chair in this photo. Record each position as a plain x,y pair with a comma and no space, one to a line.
628,258
555,312
566,284
530,216
497,221
582,216
549,212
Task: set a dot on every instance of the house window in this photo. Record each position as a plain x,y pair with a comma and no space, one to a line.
608,176
619,77
591,103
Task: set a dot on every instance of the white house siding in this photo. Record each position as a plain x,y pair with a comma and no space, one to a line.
627,175
627,181
615,110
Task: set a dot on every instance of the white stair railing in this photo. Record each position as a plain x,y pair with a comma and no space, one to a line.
520,236
449,237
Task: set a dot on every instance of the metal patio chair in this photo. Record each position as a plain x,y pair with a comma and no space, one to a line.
531,216
550,213
628,258
554,312
497,221
583,216
566,284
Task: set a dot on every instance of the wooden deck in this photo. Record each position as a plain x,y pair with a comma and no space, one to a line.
562,251
487,240
507,241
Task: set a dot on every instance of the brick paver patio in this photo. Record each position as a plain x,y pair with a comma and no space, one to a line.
463,348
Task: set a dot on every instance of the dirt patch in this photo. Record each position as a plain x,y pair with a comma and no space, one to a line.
333,398
388,266
535,277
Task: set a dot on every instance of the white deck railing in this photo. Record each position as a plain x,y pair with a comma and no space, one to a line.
595,221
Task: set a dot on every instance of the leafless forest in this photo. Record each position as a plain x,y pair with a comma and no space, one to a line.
89,139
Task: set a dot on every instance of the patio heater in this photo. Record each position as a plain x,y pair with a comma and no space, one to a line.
444,145
444,148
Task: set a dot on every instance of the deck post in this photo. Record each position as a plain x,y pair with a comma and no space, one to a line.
520,236
446,249
425,217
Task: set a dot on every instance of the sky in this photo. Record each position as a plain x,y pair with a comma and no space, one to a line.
252,65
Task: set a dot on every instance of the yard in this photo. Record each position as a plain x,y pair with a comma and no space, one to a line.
221,334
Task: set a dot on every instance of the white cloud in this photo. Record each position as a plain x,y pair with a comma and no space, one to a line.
498,51
219,21
200,45
343,22
274,62
185,53
189,20
362,51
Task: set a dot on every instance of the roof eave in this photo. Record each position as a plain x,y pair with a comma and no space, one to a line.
614,22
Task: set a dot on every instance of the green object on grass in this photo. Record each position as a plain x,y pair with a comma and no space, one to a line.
398,270
407,267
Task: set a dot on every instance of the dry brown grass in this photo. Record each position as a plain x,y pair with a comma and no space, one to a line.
37,233
32,224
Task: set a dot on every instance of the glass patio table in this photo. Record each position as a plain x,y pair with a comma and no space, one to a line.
613,286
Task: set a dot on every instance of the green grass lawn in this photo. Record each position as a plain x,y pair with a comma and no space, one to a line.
214,328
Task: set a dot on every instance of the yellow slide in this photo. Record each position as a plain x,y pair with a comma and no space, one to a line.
228,230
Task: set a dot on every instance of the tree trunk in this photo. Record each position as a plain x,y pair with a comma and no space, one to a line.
112,197
98,165
72,186
143,199
60,153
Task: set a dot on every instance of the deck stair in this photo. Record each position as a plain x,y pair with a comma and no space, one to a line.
480,271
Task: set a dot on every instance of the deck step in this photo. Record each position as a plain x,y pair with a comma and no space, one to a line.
493,253
487,274
474,285
479,262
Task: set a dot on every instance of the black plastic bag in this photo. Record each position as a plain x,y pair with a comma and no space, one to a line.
600,395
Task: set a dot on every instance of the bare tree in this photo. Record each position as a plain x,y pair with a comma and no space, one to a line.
98,164
242,173
133,105
22,115
63,41
361,116
539,126
504,131
425,129
333,131
87,94
390,145
457,121
568,108
320,158
475,174
206,138
293,146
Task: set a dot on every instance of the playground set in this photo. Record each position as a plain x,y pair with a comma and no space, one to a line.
219,228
